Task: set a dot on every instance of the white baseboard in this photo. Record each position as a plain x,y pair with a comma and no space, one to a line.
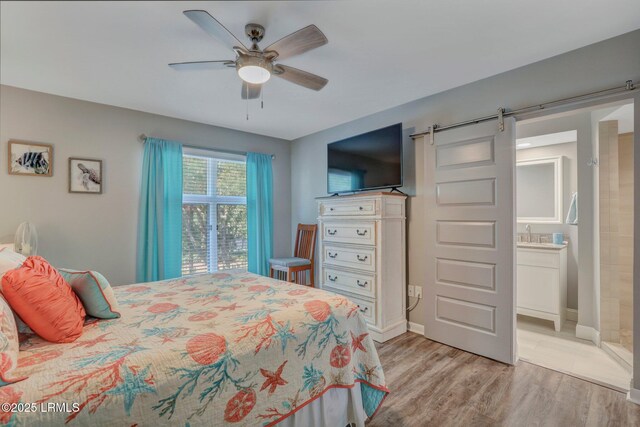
416,328
571,314
633,395
588,333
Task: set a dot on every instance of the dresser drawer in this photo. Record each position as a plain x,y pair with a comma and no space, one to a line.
538,258
361,258
358,283
360,232
347,207
367,309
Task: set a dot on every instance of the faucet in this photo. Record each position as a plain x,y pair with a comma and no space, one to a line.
528,229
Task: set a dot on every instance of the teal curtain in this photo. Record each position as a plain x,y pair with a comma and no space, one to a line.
259,212
160,215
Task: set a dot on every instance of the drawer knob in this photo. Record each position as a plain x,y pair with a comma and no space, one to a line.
362,259
332,255
362,284
333,279
360,208
331,232
361,233
331,209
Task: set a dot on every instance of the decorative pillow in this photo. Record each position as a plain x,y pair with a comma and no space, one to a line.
44,300
9,260
9,345
94,291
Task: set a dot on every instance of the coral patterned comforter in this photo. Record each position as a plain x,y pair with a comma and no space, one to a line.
220,349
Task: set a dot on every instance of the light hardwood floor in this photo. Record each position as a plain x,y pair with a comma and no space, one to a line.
436,385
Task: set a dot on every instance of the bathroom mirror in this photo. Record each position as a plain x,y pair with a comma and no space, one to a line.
539,191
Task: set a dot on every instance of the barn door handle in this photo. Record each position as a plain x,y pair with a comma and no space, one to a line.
361,233
362,259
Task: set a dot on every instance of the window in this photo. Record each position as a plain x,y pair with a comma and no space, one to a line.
214,212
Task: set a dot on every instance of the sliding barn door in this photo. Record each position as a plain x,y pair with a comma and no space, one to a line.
470,289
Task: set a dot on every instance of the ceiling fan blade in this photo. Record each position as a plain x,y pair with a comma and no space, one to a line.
299,77
299,42
202,65
250,91
214,28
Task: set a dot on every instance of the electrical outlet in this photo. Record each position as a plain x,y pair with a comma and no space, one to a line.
411,291
418,291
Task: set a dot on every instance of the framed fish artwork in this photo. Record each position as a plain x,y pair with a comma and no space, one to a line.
30,158
85,176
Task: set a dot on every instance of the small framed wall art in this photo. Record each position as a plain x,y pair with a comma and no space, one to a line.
30,158
85,176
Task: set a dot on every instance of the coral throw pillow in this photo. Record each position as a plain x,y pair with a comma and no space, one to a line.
44,300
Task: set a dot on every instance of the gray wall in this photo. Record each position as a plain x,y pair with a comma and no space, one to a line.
606,64
99,231
570,169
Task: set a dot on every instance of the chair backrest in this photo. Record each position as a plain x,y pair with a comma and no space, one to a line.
306,241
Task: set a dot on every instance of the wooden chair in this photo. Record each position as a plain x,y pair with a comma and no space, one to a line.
303,259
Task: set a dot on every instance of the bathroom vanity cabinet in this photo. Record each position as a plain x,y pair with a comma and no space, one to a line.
542,281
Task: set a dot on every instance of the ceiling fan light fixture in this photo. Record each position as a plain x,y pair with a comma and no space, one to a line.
255,65
254,74
254,69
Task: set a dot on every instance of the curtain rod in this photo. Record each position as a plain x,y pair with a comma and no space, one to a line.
628,86
143,138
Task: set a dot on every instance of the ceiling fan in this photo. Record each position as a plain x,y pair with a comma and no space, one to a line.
254,65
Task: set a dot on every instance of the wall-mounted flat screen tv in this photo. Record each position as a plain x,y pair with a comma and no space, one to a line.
369,161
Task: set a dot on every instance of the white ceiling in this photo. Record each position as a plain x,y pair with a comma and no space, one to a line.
547,139
380,53
624,116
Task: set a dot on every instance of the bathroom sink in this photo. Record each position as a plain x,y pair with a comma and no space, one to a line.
534,245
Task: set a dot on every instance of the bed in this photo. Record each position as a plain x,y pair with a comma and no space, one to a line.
218,349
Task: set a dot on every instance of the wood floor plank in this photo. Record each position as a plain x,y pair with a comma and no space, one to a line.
436,385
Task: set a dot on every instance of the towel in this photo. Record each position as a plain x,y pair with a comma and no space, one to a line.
572,215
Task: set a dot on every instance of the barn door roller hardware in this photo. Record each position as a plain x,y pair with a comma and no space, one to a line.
502,113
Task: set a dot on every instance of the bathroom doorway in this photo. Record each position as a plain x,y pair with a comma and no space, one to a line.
558,271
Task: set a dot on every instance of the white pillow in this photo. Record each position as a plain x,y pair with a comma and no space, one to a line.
9,260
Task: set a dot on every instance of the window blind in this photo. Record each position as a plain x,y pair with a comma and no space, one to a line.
214,212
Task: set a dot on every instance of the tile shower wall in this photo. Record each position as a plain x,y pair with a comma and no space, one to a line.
616,231
625,238
609,197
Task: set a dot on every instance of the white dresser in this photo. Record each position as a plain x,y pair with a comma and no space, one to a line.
542,282
362,256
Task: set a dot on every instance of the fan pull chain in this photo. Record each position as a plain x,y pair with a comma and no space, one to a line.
262,99
247,102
